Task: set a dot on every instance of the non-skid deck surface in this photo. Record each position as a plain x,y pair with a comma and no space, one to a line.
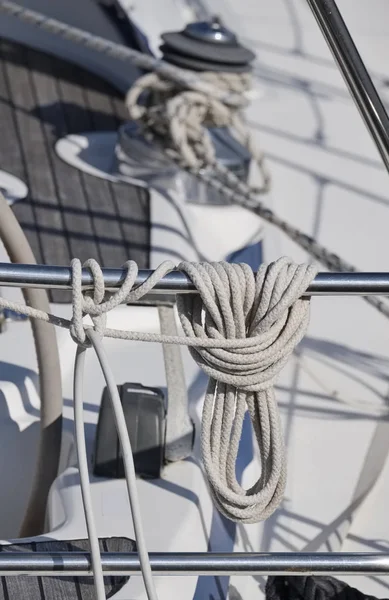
61,587
67,213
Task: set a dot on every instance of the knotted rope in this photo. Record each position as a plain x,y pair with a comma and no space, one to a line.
83,304
241,330
253,324
180,117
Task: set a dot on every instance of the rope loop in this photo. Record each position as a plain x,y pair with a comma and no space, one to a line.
92,302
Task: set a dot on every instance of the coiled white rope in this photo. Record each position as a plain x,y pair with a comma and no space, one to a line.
241,330
234,305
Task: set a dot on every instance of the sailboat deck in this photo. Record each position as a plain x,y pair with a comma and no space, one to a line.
327,180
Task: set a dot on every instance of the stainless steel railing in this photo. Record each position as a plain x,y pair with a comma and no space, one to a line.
47,276
206,563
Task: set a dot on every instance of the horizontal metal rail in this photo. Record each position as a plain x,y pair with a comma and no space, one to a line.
176,282
122,564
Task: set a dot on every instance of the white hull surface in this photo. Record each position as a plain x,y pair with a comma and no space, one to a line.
327,180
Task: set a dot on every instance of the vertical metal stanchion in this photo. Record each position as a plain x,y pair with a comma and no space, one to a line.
353,69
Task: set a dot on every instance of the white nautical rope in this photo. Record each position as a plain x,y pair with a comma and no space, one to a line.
232,304
82,459
180,118
129,468
86,305
241,329
128,463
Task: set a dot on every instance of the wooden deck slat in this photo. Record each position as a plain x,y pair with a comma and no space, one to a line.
67,213
11,155
61,587
101,200
40,179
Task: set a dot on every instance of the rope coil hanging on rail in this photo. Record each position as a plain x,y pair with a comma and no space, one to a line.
233,304
241,329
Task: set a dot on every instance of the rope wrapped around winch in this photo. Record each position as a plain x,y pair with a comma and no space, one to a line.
180,118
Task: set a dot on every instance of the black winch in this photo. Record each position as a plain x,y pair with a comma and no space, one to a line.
206,46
